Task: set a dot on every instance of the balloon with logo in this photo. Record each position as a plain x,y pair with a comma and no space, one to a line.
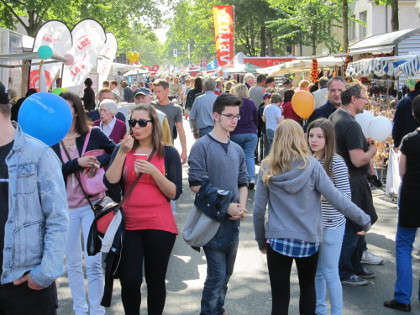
364,120
380,128
45,116
303,103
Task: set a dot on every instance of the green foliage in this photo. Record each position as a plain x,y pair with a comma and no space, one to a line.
307,22
131,21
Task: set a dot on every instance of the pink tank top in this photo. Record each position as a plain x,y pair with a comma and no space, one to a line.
146,207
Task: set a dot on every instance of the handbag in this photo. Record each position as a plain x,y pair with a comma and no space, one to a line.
93,185
199,228
107,221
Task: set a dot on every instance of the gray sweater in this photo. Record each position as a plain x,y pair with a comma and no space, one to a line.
294,204
225,170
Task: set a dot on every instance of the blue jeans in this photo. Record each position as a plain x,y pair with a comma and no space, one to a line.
351,252
203,131
248,143
327,272
404,245
220,265
270,138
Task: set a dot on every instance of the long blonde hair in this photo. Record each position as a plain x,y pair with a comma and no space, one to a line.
289,145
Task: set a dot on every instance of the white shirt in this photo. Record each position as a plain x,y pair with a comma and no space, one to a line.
272,113
107,128
321,97
116,91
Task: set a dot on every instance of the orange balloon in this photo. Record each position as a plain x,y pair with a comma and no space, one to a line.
303,103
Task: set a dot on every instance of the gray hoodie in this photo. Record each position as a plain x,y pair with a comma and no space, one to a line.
294,204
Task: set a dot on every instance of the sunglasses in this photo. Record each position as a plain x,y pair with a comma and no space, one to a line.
142,123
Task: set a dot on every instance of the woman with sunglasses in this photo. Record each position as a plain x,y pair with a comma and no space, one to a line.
150,227
80,213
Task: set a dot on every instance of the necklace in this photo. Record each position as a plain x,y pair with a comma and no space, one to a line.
72,137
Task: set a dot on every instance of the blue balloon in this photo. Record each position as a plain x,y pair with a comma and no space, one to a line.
45,116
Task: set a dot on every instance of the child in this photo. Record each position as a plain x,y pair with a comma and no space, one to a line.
321,140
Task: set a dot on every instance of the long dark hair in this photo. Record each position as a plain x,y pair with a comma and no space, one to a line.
329,135
198,84
157,133
82,123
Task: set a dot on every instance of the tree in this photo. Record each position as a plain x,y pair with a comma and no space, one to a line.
307,22
116,16
395,24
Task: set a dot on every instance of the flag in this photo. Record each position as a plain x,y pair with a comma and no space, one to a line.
56,35
224,34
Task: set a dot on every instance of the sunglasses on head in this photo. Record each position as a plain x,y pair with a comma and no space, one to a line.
142,123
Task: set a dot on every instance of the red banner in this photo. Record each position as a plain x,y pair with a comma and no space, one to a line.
224,34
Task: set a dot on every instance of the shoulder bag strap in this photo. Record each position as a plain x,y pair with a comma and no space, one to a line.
86,141
77,176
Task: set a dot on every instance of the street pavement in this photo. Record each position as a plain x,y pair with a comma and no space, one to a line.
249,288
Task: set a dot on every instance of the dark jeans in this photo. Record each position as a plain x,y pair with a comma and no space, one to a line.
154,247
351,252
220,263
21,300
279,267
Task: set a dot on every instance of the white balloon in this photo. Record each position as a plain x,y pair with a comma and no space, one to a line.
380,128
364,119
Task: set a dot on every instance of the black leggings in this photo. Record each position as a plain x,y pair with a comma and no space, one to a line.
279,267
154,247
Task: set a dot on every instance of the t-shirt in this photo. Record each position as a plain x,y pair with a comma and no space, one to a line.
349,136
409,216
173,113
256,94
4,195
271,113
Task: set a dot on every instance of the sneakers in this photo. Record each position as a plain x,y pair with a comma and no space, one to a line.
354,280
370,259
398,306
366,274
251,184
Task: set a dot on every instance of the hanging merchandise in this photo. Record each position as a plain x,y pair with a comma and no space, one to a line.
314,71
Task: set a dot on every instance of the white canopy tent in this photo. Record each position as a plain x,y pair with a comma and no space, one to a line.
121,68
302,65
380,66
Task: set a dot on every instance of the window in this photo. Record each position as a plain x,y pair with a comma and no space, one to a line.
352,29
362,28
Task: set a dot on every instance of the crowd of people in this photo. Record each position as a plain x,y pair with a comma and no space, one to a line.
312,182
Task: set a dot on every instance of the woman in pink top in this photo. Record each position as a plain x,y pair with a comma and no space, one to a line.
150,227
80,212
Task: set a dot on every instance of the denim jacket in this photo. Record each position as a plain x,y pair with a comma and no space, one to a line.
37,226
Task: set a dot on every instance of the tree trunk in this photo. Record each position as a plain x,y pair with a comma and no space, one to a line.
313,40
263,41
395,25
270,47
345,26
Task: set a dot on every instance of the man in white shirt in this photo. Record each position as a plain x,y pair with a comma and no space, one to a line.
321,95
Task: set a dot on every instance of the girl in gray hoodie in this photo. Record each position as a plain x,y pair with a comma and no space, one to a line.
291,182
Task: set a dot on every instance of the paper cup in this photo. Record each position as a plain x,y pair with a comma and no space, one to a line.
141,156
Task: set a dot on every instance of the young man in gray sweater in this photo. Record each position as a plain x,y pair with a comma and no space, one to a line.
223,162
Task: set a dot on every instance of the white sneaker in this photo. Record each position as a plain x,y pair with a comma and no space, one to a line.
371,259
